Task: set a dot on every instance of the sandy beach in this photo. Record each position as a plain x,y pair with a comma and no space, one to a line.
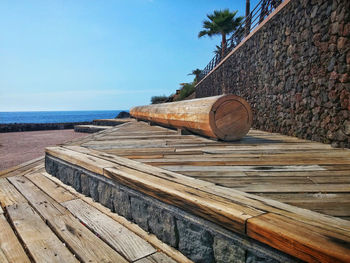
19,147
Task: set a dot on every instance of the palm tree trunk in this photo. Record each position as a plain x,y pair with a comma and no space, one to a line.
247,17
223,45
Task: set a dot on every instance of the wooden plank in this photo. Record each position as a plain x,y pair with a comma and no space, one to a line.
296,188
156,258
128,244
282,180
301,240
10,246
243,168
8,194
3,258
55,191
338,209
334,204
86,245
127,165
152,239
24,165
243,162
46,206
42,244
227,214
143,151
324,173
298,214
327,175
90,163
34,167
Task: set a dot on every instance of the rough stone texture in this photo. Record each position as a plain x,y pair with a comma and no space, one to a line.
139,211
84,181
195,241
162,224
121,203
105,196
197,238
226,251
253,258
123,115
294,72
20,127
93,183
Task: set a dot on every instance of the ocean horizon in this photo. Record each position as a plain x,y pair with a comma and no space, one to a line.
56,116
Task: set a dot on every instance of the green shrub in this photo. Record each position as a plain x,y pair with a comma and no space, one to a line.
187,90
159,99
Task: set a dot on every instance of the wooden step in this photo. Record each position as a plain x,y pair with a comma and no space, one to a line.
43,221
111,122
90,128
281,226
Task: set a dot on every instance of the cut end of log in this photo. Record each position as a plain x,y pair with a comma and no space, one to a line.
230,118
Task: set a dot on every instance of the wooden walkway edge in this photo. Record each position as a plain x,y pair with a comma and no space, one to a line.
317,237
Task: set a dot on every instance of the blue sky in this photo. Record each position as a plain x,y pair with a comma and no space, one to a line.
100,55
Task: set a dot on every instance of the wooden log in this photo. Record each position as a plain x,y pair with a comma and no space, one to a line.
225,117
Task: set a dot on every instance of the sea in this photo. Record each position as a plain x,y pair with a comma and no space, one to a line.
56,116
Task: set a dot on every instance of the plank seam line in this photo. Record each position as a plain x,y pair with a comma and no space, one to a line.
87,226
97,235
76,255
19,238
147,255
73,192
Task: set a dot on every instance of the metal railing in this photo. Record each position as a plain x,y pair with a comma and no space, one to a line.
248,24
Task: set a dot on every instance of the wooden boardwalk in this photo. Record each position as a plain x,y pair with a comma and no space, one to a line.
298,172
43,220
291,194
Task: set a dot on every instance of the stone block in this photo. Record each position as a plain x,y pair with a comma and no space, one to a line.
139,212
93,183
84,181
121,203
105,194
162,224
227,251
195,241
253,258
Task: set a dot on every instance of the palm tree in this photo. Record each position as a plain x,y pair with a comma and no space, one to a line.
221,22
218,50
196,72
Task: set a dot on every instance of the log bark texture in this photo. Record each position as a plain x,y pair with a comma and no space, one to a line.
225,117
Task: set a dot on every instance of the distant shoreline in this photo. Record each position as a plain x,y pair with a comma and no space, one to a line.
22,127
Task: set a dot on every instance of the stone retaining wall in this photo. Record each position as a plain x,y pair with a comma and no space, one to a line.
198,239
19,127
295,72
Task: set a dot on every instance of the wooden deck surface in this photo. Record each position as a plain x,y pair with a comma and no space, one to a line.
298,172
288,193
291,194
43,220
